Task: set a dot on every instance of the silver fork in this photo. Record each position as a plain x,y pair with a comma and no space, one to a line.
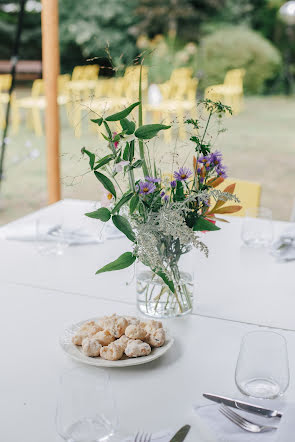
243,423
143,437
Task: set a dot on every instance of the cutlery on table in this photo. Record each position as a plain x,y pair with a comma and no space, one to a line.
181,434
143,437
243,423
245,406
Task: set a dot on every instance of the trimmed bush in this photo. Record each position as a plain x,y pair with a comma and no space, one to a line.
238,47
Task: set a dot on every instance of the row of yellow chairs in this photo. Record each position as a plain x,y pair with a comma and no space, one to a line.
85,92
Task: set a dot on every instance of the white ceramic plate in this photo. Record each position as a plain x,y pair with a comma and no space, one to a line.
75,352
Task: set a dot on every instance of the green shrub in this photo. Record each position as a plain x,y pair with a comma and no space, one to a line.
238,47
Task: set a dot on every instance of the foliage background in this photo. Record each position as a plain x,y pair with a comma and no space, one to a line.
86,28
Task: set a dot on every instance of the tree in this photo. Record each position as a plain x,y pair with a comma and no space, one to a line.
31,34
178,18
86,29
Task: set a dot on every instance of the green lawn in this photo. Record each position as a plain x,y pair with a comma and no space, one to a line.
259,145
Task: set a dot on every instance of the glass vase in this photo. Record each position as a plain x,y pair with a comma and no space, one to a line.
154,297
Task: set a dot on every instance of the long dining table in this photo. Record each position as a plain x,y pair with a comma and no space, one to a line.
237,290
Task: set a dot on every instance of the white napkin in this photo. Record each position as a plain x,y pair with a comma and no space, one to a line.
227,431
284,248
28,232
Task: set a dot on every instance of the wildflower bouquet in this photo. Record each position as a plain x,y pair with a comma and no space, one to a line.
160,215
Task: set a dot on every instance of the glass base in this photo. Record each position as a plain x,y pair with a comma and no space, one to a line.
159,310
154,299
262,388
89,430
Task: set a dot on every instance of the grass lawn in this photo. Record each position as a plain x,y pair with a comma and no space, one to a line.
259,145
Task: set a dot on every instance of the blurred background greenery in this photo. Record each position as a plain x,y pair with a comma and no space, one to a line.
211,37
226,33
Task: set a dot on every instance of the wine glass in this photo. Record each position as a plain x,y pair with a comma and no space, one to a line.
257,228
262,369
86,410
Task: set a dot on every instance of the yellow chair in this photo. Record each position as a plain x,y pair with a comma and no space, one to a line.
5,83
36,102
179,99
230,92
83,83
248,193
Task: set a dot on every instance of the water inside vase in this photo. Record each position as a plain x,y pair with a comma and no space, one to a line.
156,300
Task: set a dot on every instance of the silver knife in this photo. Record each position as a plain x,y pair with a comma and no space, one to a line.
245,406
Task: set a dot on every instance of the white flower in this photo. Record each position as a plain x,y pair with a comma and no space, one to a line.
129,138
119,166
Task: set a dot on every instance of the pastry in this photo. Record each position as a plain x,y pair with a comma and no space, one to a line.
91,347
137,348
152,325
106,321
135,332
156,338
123,341
88,329
117,326
104,337
112,352
132,320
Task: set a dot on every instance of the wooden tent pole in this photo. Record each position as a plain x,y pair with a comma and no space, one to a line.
50,61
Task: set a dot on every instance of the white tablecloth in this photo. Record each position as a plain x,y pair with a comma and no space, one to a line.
235,283
39,295
203,359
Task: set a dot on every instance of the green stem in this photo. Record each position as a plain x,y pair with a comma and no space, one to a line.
131,180
140,142
198,153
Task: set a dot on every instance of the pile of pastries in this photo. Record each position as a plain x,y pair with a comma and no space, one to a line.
112,337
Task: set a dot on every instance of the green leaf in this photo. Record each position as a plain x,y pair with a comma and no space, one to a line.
136,164
179,193
181,434
128,126
117,138
98,121
123,225
167,281
122,201
149,131
106,138
133,203
103,214
126,152
106,182
124,261
103,161
203,224
107,127
131,151
90,155
123,114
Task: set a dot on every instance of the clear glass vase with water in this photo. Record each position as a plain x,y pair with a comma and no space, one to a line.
154,297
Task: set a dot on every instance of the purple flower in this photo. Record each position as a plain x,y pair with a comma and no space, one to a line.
173,184
162,193
166,198
221,171
145,187
216,158
183,174
152,180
